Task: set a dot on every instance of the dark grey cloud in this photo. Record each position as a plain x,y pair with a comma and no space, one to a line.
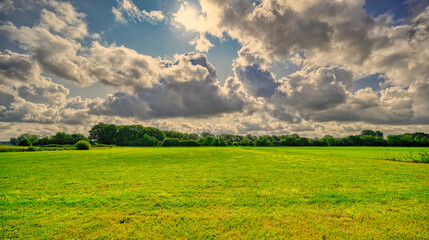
187,87
52,94
259,82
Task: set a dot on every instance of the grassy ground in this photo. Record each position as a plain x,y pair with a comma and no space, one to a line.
205,193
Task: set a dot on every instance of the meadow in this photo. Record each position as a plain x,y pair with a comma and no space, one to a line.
214,193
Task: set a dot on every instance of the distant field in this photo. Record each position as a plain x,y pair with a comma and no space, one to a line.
205,193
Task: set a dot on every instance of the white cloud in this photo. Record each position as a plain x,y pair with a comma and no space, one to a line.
131,10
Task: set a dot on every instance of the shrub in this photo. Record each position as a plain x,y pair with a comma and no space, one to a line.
32,149
24,142
83,145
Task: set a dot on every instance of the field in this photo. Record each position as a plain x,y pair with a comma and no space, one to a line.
222,193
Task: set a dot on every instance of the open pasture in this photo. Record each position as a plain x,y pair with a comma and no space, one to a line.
206,193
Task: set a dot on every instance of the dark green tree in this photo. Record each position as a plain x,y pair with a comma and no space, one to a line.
394,140
13,141
61,138
103,133
25,142
154,132
368,133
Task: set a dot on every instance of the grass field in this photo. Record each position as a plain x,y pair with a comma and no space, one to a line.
205,193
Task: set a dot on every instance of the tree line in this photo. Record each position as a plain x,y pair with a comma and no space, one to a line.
138,135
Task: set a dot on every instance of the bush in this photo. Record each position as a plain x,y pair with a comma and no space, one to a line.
32,149
83,145
24,142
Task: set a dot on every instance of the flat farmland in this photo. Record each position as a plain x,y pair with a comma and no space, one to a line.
214,193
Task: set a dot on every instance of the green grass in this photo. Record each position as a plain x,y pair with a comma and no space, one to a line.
206,193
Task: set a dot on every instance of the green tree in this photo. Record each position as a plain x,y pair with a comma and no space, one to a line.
379,134
154,132
262,141
247,142
42,141
369,140
13,141
330,141
209,140
103,133
407,140
170,142
61,138
74,138
126,135
24,142
368,133
31,137
394,140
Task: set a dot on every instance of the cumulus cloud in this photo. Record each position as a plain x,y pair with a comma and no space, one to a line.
337,33
186,86
337,43
316,89
131,10
15,67
147,87
53,42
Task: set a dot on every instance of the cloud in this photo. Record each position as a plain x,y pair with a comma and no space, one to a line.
260,83
51,94
147,87
189,18
315,89
131,10
15,67
336,42
328,33
6,5
118,15
186,86
64,20
53,42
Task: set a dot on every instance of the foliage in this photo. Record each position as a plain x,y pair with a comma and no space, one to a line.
188,143
24,142
83,145
146,140
138,135
13,141
32,149
170,142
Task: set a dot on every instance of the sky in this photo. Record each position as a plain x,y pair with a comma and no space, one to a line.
311,67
